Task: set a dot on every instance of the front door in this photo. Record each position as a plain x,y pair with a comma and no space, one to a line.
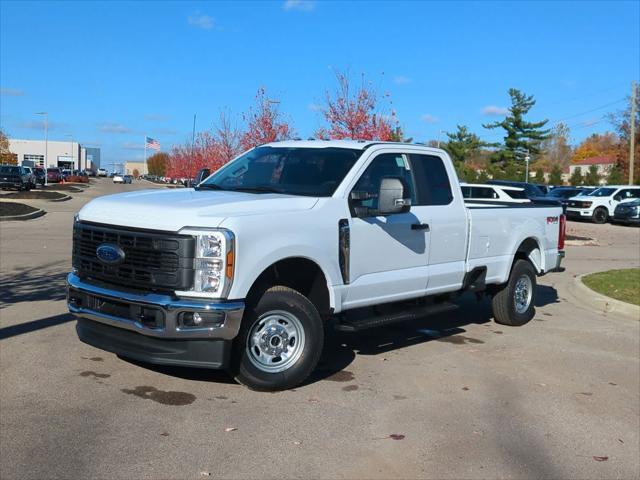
388,254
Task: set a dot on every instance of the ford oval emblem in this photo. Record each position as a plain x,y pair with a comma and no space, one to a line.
109,254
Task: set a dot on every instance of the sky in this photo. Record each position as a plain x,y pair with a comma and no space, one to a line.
109,73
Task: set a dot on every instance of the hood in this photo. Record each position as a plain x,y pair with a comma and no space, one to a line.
171,210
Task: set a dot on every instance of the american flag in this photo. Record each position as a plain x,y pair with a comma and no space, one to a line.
151,143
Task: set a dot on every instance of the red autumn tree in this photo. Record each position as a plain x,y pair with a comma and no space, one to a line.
265,123
355,112
227,137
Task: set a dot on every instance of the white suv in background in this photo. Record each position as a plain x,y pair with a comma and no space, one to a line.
482,192
600,204
102,172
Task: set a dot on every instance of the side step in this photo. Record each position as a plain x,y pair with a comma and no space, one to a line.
372,321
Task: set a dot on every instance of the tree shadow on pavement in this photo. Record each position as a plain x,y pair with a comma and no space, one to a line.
34,325
45,282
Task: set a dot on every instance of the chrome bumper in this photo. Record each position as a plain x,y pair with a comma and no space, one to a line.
170,308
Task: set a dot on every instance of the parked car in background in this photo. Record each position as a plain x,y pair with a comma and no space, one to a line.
531,190
543,188
563,194
54,175
627,212
482,192
600,205
118,178
66,173
13,176
32,177
127,179
40,175
102,172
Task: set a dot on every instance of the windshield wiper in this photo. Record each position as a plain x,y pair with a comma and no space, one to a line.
208,186
257,189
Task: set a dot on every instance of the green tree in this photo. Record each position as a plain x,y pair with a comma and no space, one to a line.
521,136
616,175
592,176
463,144
555,177
576,177
540,175
397,135
482,177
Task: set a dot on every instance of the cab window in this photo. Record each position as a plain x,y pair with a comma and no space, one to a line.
394,165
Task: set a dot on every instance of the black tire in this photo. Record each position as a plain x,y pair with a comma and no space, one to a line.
505,311
244,363
600,215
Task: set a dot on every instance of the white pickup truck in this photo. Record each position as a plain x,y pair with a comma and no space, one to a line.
247,270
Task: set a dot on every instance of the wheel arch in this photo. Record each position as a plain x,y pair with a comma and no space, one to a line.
300,273
530,249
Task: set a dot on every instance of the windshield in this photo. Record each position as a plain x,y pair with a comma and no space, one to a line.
602,192
13,170
313,172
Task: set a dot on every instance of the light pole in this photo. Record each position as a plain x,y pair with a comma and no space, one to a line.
440,132
526,164
46,143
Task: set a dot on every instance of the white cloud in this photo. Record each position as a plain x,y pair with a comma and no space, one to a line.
402,80
493,110
429,118
11,92
113,128
39,125
201,21
314,107
299,5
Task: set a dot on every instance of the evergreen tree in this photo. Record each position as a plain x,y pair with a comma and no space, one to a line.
616,176
592,177
482,177
555,177
576,177
540,175
463,144
521,136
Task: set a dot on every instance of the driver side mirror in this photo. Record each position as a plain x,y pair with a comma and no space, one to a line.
201,175
391,197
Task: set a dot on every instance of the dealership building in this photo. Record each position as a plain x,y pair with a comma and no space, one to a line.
71,155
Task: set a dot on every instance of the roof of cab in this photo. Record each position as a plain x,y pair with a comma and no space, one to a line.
353,144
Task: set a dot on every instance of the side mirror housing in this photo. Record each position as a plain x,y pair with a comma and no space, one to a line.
391,197
201,175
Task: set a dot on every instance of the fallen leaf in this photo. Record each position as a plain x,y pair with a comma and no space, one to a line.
600,459
164,434
465,388
205,474
297,442
230,429
620,440
396,436
614,384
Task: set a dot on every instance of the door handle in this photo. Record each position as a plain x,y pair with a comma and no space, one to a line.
420,226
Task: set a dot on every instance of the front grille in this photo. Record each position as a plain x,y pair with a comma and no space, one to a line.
152,260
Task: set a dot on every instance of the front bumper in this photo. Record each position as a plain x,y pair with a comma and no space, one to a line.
578,213
618,218
146,326
10,184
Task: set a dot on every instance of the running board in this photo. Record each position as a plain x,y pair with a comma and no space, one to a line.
389,318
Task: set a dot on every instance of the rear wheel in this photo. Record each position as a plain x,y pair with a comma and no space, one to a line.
513,304
600,215
280,341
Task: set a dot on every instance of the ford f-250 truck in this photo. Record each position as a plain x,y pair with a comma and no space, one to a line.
246,270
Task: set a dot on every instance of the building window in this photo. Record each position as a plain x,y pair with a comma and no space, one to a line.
36,159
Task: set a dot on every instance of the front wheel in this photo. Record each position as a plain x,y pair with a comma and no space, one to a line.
280,341
600,215
513,304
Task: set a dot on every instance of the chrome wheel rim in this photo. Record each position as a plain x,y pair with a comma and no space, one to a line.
522,293
275,341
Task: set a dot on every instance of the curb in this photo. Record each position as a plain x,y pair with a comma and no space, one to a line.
26,216
601,302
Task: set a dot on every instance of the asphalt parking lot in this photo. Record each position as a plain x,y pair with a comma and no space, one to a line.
450,396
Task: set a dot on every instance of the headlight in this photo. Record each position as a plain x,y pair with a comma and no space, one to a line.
213,264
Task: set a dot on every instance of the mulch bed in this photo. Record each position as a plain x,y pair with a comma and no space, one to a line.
36,195
62,187
8,209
